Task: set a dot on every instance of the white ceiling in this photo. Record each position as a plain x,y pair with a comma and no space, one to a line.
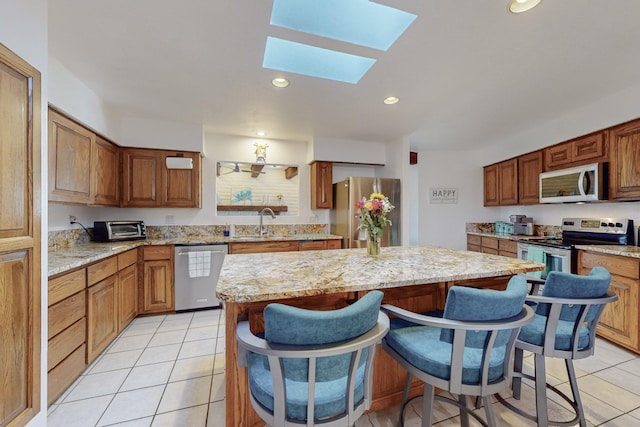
466,71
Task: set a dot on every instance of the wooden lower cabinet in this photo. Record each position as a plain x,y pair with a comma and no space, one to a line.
619,321
127,295
156,292
67,330
283,246
102,316
87,309
492,245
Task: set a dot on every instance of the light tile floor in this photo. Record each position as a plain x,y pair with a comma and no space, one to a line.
166,371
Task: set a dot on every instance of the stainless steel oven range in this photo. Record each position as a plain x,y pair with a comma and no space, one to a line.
560,254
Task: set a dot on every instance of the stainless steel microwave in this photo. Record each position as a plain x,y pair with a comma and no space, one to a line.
586,183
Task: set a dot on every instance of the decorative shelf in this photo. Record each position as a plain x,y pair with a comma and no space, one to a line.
252,208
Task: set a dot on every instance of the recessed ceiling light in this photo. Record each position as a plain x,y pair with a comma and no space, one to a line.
519,6
280,82
391,100
261,133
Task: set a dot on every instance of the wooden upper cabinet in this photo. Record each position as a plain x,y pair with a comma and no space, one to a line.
624,167
70,148
529,168
501,183
148,183
509,182
321,185
84,168
20,290
106,169
491,185
181,188
140,177
583,150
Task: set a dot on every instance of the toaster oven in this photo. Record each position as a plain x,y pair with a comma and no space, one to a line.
113,231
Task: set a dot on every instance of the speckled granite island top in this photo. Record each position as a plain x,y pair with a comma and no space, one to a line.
265,277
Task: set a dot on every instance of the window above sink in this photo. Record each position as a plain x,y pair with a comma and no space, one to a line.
246,188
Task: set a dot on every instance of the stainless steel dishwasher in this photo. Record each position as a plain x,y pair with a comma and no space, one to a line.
197,268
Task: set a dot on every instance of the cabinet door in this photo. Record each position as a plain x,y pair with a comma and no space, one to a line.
127,296
491,185
529,168
20,290
557,156
102,312
141,171
619,321
312,245
70,147
590,148
509,182
181,187
157,287
321,185
624,172
106,170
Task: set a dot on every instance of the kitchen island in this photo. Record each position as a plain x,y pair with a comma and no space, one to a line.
416,278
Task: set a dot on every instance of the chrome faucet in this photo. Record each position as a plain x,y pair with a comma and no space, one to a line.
263,229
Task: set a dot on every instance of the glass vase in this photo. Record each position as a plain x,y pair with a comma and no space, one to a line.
373,246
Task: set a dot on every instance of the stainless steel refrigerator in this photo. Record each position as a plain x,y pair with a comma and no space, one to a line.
344,215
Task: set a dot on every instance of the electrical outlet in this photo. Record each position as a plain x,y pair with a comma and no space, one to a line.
169,219
72,219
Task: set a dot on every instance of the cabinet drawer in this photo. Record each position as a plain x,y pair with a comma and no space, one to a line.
66,342
490,242
66,313
64,286
101,270
474,240
63,375
334,244
619,265
508,245
128,258
491,251
251,248
313,245
157,252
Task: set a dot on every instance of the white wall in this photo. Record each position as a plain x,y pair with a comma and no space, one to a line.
73,97
347,151
445,224
23,29
148,133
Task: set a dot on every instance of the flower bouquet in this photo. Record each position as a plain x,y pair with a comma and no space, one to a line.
373,218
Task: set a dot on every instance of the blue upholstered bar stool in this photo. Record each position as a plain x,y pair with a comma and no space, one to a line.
313,367
566,315
467,352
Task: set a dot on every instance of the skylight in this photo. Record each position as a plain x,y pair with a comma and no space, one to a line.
285,55
358,22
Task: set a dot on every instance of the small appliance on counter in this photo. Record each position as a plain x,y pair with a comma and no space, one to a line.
115,231
522,224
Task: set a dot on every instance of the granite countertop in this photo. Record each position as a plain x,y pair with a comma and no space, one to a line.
270,276
621,250
78,255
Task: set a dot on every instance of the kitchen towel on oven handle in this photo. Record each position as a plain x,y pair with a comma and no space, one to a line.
199,264
538,255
